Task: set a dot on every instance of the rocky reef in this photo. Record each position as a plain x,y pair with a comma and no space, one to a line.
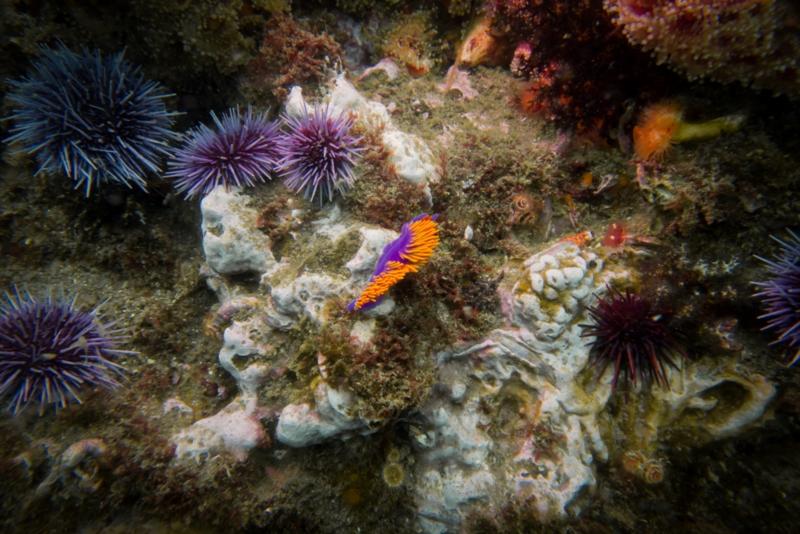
477,392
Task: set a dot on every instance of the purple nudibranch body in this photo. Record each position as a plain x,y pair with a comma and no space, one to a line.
411,250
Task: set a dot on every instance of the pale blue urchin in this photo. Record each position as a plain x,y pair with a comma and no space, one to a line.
241,152
319,153
780,295
50,349
92,117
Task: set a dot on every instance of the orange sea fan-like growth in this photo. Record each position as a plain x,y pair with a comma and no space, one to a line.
657,126
661,125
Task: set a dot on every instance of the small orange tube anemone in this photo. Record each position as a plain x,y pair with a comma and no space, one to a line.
656,129
480,47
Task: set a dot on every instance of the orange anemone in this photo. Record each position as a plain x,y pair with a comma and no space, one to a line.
656,129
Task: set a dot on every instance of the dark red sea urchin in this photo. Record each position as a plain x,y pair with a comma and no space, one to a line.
50,349
319,153
242,151
780,296
628,333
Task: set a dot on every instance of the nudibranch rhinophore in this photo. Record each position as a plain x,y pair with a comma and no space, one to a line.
411,250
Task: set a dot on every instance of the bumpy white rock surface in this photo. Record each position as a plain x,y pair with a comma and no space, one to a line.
239,354
301,425
511,418
306,295
332,416
255,317
514,419
231,243
693,400
235,429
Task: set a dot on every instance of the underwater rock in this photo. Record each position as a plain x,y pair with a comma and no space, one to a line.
410,156
252,351
231,242
235,429
512,418
300,425
515,418
332,416
77,468
708,402
239,346
306,295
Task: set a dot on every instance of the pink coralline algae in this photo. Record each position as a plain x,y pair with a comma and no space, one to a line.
747,41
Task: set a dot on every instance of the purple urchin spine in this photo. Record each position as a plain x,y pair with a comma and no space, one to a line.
319,153
92,117
50,350
241,152
780,296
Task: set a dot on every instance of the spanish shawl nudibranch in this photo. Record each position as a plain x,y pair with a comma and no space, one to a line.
406,254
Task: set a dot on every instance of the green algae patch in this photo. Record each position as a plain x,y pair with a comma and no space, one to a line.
384,374
331,257
379,196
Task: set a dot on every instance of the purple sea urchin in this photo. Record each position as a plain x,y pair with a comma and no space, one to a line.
50,349
94,118
319,153
628,333
241,152
780,295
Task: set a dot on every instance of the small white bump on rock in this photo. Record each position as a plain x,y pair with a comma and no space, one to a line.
537,282
537,266
548,260
550,293
573,275
579,262
570,303
469,233
457,391
555,278
561,316
581,292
